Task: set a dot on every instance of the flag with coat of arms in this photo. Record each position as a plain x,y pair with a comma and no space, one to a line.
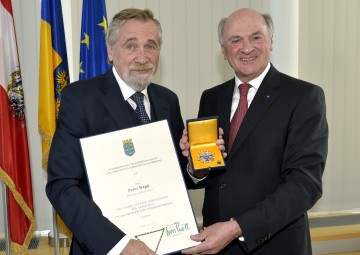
53,77
15,169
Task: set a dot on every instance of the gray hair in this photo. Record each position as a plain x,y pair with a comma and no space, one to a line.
266,16
121,17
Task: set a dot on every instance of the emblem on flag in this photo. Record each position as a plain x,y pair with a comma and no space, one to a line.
128,147
16,95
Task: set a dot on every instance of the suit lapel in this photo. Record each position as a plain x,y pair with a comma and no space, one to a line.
225,108
264,98
114,102
160,108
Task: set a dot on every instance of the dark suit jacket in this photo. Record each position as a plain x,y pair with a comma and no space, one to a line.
273,172
91,107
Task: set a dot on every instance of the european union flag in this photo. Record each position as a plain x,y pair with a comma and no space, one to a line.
93,53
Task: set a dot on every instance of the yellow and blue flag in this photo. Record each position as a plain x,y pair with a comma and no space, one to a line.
93,53
53,77
53,74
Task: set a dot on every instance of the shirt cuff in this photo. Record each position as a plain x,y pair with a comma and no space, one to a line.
195,180
241,238
119,247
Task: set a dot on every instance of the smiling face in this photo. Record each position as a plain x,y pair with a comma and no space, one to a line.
246,44
135,55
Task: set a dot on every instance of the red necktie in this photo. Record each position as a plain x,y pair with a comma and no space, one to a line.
239,113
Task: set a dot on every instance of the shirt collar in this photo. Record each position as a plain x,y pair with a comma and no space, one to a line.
125,89
255,82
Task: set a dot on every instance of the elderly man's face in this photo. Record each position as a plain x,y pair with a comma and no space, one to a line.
136,53
246,44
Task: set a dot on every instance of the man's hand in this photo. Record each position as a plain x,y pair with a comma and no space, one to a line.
136,247
185,146
214,238
221,143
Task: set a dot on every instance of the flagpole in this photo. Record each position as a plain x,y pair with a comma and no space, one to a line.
6,219
56,234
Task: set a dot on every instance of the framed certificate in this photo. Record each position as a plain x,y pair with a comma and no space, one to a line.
136,180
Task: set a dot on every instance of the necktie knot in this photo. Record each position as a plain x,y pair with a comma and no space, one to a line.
244,89
138,98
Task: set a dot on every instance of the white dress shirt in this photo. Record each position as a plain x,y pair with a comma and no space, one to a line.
255,84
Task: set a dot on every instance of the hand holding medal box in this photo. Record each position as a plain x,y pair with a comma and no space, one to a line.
204,152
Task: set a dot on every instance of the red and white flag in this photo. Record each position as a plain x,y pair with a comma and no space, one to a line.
14,154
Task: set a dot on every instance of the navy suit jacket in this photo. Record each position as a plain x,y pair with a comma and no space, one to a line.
273,172
91,107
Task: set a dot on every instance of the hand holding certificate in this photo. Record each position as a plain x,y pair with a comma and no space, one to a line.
137,182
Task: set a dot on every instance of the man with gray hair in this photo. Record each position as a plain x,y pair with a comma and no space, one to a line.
121,98
276,134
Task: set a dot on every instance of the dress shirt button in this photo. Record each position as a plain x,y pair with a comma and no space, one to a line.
223,186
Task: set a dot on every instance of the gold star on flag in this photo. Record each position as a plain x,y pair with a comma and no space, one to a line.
80,68
103,24
86,40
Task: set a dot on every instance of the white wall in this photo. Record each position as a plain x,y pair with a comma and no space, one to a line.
330,56
322,49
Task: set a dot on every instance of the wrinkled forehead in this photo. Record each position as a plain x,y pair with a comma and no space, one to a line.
140,29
